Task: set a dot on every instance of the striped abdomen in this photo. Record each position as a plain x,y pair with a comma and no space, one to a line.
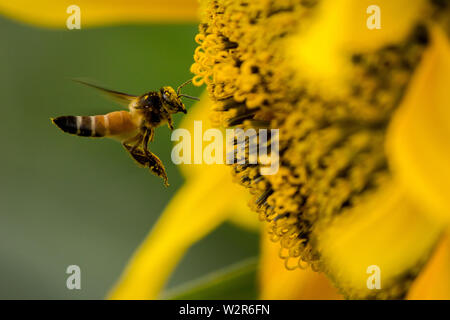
112,124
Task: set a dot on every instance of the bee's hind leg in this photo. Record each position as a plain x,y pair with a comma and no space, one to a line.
128,144
146,158
135,152
155,165
149,160
148,136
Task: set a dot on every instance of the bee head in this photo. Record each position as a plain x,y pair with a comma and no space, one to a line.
171,100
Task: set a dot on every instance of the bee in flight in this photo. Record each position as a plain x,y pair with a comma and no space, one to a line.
134,128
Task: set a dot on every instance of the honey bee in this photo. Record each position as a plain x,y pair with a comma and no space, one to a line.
134,128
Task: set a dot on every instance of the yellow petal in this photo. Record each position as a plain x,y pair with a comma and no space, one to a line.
434,281
321,51
242,215
387,231
418,141
198,207
53,13
278,283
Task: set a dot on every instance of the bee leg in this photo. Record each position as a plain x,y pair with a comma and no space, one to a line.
148,136
128,143
156,167
152,135
137,154
154,163
146,158
170,122
149,160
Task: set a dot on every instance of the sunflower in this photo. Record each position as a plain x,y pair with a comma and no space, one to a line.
363,121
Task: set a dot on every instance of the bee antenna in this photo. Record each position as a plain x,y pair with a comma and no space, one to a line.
190,97
182,85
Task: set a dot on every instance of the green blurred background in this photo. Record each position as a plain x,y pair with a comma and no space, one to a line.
68,200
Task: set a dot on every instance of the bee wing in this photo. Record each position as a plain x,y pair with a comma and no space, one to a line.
120,97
